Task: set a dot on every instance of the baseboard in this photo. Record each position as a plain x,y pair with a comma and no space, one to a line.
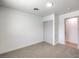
21,47
55,43
63,43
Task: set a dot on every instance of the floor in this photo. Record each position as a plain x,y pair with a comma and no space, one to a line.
43,50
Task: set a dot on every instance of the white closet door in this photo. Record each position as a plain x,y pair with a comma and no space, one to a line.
48,31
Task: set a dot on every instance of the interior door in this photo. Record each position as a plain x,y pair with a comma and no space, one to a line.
71,32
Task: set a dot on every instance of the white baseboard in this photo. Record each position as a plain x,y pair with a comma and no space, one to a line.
62,43
21,47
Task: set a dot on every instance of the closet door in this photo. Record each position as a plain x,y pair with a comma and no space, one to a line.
48,31
71,31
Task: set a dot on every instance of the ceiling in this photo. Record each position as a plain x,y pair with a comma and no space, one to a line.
59,6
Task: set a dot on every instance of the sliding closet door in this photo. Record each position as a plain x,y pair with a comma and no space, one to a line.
48,31
71,31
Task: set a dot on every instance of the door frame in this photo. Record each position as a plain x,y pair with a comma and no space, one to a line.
76,45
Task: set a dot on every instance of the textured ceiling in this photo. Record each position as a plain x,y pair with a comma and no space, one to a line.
59,6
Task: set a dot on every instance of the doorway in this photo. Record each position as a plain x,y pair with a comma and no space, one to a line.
71,32
48,31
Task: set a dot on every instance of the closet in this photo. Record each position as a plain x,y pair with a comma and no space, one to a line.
48,31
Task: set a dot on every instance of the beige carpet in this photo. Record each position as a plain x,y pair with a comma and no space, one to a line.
43,50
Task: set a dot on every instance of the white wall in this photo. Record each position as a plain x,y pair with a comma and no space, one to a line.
56,28
61,25
48,18
18,29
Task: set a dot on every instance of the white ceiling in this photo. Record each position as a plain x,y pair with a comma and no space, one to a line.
59,6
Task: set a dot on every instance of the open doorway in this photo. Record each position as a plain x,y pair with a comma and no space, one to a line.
48,31
71,32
